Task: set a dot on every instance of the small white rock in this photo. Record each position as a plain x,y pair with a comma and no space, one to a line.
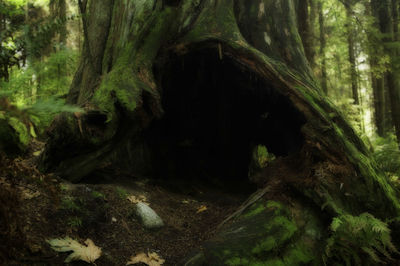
113,220
148,216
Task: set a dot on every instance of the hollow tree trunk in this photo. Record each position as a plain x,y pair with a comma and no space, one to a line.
199,83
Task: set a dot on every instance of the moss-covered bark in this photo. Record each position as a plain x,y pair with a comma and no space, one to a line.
331,176
15,132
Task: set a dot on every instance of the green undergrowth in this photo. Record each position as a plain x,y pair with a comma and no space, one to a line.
387,155
34,93
265,234
352,240
122,193
20,124
81,208
74,210
358,240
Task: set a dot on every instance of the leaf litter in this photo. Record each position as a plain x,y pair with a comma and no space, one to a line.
151,259
88,253
43,218
140,198
202,208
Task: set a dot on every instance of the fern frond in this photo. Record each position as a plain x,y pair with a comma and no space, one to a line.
356,235
336,223
372,254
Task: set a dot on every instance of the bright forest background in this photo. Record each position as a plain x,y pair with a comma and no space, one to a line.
351,45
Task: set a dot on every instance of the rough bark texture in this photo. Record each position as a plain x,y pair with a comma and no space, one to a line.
139,52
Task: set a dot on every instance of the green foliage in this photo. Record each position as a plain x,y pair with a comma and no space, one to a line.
12,44
69,204
260,159
55,74
262,156
63,187
74,222
358,240
41,105
26,118
96,194
351,112
74,209
51,105
21,130
387,155
35,68
122,193
39,34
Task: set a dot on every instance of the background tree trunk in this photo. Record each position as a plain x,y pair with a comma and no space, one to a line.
58,10
200,83
306,13
393,77
352,53
379,104
387,13
322,40
377,80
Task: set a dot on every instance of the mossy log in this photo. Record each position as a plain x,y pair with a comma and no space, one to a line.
176,87
14,130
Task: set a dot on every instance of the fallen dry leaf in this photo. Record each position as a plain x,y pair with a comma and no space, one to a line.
88,253
201,208
3,182
151,259
28,194
140,198
318,146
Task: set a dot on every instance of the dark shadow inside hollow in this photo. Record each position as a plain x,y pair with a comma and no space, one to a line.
216,113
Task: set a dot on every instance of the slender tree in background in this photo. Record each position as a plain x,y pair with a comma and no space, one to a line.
58,12
351,48
394,91
387,15
377,77
322,40
306,14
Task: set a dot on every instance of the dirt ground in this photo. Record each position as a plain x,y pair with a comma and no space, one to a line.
36,207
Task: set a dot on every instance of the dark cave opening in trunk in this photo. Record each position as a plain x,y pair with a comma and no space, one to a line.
216,113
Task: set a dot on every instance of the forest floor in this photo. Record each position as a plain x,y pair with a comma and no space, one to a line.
36,207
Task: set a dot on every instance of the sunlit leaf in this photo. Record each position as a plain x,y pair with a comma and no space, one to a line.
151,259
88,253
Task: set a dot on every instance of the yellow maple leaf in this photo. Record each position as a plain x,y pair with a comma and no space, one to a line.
201,208
88,253
140,198
151,259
